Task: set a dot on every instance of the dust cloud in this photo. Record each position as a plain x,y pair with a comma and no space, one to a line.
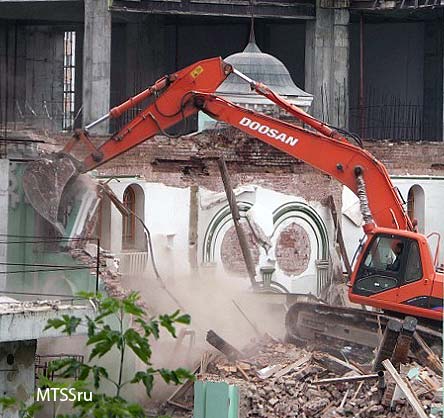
209,300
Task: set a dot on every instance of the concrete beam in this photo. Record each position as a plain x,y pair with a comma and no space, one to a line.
96,63
26,320
327,65
388,5
270,9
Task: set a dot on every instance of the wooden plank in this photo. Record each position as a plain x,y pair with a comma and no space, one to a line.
234,209
268,371
409,394
242,372
425,354
298,363
223,346
181,391
334,214
334,364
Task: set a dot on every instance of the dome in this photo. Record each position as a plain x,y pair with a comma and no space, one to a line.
265,69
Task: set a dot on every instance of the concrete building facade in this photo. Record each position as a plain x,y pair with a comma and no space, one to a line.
375,67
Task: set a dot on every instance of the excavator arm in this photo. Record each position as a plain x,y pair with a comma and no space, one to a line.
190,90
332,155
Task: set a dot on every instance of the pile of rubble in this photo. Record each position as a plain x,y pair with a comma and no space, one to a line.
282,380
278,380
107,269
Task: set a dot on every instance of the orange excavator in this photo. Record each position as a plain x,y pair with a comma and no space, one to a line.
394,270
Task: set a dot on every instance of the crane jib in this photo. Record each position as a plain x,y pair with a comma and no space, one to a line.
270,132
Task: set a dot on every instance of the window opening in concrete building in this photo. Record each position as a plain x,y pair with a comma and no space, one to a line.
129,222
69,71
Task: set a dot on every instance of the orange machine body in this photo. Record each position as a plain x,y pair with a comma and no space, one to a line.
413,289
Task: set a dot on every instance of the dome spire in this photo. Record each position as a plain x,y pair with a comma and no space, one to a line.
252,36
263,68
252,45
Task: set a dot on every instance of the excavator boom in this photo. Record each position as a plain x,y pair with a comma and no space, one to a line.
184,93
46,179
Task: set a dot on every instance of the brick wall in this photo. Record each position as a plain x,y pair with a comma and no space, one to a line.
420,158
293,249
184,162
231,253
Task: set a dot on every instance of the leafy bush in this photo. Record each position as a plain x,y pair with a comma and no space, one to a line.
103,338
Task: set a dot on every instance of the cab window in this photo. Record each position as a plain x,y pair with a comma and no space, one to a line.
382,265
413,270
385,254
389,262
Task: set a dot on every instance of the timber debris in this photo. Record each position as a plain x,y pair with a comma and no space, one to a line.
279,380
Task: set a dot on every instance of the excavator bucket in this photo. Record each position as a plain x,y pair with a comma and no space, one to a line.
43,183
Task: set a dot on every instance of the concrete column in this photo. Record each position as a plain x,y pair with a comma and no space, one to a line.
433,117
96,63
115,231
17,379
4,209
327,64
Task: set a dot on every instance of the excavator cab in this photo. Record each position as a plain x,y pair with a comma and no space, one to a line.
395,272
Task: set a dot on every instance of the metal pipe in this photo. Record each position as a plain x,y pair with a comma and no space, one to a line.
97,265
345,379
244,77
361,76
96,122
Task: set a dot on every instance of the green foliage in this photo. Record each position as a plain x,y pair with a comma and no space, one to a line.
104,406
68,324
7,402
107,331
167,321
24,411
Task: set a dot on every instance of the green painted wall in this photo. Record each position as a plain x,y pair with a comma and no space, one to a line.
29,254
215,400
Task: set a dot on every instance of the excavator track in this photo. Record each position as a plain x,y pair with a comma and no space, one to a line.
308,322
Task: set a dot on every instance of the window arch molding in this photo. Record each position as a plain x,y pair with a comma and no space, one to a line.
133,235
303,213
416,205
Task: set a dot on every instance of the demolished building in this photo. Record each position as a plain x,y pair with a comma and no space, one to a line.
172,184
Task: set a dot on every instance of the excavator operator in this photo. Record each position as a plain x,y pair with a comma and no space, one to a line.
399,247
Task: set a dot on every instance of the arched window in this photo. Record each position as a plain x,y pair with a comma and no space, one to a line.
416,206
129,222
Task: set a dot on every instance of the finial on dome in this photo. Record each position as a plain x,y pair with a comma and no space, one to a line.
252,36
